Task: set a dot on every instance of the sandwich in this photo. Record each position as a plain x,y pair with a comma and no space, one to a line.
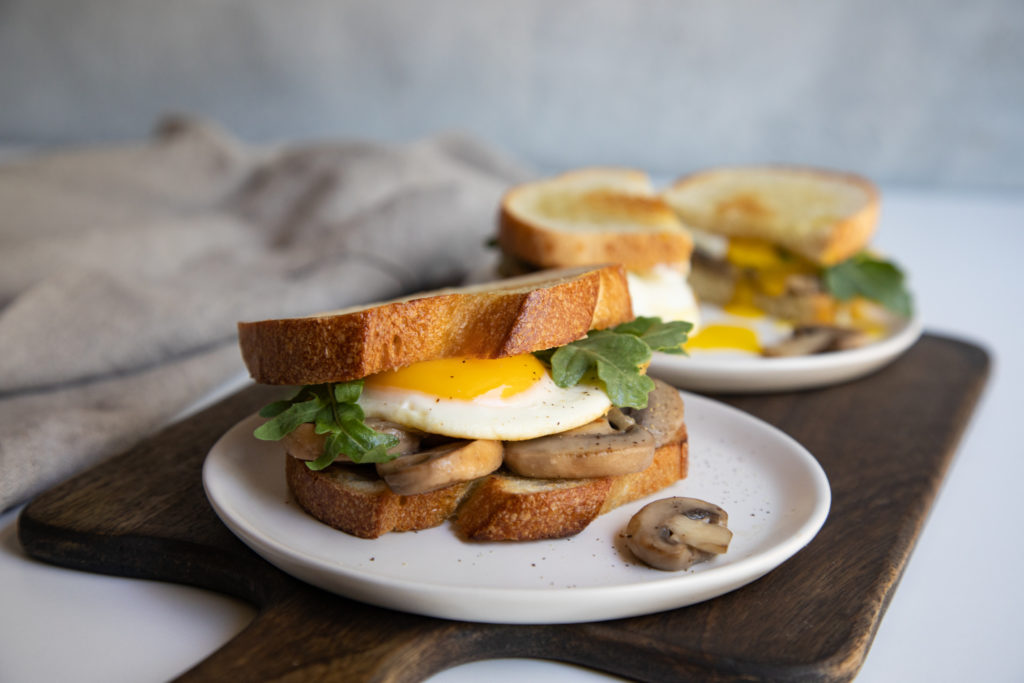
791,243
515,410
602,215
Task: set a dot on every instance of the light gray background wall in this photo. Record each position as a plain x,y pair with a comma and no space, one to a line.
919,93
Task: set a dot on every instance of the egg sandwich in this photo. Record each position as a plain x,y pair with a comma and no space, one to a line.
516,410
791,243
602,215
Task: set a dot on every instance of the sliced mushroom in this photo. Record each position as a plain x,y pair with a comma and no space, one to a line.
408,439
676,533
803,284
441,466
810,339
663,415
598,449
305,444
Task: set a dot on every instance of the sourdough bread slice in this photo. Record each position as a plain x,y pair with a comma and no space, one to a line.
492,320
823,215
506,507
354,499
499,507
592,215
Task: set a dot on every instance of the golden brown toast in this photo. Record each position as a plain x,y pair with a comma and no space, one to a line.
825,216
591,215
519,315
498,507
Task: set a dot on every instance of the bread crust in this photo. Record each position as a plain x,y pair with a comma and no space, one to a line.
348,498
823,215
520,315
512,508
593,215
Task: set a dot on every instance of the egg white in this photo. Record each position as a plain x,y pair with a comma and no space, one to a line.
663,292
544,408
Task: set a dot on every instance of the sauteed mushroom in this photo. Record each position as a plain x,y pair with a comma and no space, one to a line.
305,444
810,339
621,442
663,414
609,446
441,466
675,533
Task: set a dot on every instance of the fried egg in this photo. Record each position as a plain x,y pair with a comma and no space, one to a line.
663,292
508,399
736,332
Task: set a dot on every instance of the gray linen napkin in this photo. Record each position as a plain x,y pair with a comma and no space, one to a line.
123,270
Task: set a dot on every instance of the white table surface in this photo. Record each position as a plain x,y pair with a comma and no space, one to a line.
958,612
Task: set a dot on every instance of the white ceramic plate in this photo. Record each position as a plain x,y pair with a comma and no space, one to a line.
776,494
734,373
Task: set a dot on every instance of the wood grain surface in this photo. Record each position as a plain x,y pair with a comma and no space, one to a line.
885,442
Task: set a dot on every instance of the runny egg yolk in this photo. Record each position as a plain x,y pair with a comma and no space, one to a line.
718,336
464,379
742,301
749,253
767,268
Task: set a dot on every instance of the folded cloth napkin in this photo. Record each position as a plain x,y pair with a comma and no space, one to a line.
124,270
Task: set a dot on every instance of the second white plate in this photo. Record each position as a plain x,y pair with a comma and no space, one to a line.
729,373
776,494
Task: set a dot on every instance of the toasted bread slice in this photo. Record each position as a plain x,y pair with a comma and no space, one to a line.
593,215
511,508
354,499
493,320
824,216
498,507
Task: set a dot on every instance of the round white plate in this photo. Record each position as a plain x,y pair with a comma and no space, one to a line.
776,494
734,373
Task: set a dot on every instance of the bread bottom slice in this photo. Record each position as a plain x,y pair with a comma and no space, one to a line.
506,507
353,499
498,507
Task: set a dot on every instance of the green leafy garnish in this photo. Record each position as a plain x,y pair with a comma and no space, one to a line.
660,336
335,413
617,355
872,278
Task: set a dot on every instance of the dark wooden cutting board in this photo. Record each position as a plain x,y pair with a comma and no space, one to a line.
885,442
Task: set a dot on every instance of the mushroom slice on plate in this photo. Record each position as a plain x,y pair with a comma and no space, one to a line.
676,533
810,339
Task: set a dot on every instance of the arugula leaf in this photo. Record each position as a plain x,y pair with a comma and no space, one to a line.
660,336
286,421
617,355
872,278
334,410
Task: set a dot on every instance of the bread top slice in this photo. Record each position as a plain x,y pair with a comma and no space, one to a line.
825,216
491,320
592,215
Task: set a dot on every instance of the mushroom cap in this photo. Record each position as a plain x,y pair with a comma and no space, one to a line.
675,533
